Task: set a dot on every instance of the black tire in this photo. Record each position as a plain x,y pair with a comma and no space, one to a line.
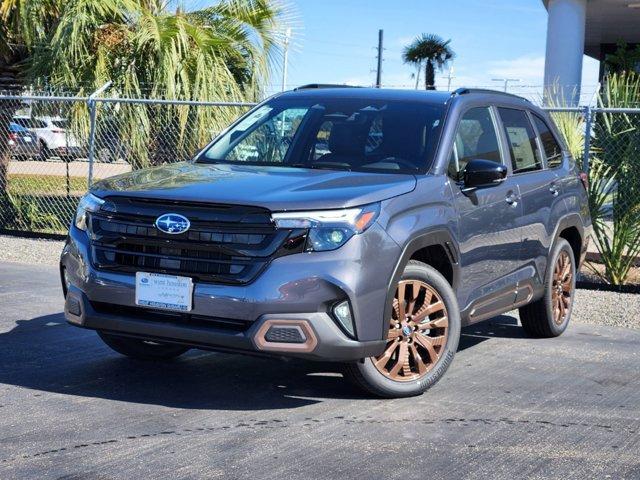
540,318
44,153
142,349
367,376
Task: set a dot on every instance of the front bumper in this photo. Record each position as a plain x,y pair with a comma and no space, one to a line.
24,149
296,288
329,342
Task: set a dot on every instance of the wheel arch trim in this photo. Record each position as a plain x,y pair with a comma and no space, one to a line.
437,236
568,221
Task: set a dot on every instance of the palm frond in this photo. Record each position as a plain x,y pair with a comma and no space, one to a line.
428,47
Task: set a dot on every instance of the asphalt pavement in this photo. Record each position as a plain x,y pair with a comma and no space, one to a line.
77,168
509,407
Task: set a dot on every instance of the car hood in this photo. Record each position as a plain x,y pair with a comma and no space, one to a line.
275,188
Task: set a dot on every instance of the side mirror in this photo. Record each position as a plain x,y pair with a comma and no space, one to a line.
483,173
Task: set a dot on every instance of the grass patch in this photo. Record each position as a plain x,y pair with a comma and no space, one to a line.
27,184
37,213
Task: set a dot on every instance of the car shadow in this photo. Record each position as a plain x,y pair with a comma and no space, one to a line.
48,355
502,326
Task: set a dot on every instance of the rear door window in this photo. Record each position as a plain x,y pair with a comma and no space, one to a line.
551,147
523,145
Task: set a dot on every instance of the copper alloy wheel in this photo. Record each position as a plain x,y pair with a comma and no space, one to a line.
418,331
561,288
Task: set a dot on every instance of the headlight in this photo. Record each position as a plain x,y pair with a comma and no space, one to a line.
88,203
329,229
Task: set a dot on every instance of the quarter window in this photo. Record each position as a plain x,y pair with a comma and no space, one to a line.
525,154
476,137
551,147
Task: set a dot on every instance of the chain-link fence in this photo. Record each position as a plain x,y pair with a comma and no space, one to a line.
52,148
613,151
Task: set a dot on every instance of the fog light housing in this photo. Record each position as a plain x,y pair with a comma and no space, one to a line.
73,306
342,313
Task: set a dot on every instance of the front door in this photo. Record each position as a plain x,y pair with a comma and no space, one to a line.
489,230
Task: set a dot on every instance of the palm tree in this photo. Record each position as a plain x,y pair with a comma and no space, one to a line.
431,50
220,53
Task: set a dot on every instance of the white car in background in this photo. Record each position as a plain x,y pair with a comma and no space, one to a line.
54,139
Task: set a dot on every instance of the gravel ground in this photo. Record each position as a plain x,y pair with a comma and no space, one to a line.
592,307
28,250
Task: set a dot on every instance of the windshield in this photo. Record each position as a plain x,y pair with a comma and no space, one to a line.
340,134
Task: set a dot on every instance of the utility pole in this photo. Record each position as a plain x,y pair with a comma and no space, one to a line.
379,71
450,77
506,81
285,60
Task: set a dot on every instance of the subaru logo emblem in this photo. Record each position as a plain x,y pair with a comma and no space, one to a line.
172,223
406,330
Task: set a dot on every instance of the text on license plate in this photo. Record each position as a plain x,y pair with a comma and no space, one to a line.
169,292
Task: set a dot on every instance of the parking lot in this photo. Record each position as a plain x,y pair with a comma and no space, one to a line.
56,167
510,407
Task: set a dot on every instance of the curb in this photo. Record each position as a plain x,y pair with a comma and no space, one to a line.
34,235
605,287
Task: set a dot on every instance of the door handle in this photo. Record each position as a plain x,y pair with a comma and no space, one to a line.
512,199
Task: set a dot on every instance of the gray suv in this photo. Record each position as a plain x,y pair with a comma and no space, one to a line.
363,226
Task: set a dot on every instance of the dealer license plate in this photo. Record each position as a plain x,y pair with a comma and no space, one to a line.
168,292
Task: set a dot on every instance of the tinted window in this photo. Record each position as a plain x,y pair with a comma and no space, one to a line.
335,133
30,123
59,123
23,122
327,144
475,138
525,155
552,149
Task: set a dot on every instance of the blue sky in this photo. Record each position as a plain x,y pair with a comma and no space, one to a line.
334,40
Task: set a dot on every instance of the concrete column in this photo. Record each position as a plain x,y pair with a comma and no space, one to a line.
565,48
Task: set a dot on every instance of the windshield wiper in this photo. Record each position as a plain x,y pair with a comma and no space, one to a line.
315,166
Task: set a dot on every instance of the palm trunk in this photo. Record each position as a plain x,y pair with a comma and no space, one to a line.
429,76
5,155
8,72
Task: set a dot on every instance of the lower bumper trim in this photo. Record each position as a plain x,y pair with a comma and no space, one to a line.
328,342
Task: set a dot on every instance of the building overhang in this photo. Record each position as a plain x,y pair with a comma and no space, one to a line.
607,22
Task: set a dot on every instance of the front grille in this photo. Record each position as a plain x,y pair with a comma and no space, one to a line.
225,243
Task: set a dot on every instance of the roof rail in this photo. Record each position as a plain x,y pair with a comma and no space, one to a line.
322,85
465,90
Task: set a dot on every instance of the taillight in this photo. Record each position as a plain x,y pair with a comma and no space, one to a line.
584,178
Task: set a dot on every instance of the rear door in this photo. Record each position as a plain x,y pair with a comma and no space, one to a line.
540,192
488,219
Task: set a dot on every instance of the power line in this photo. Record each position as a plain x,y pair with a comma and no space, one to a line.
506,81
